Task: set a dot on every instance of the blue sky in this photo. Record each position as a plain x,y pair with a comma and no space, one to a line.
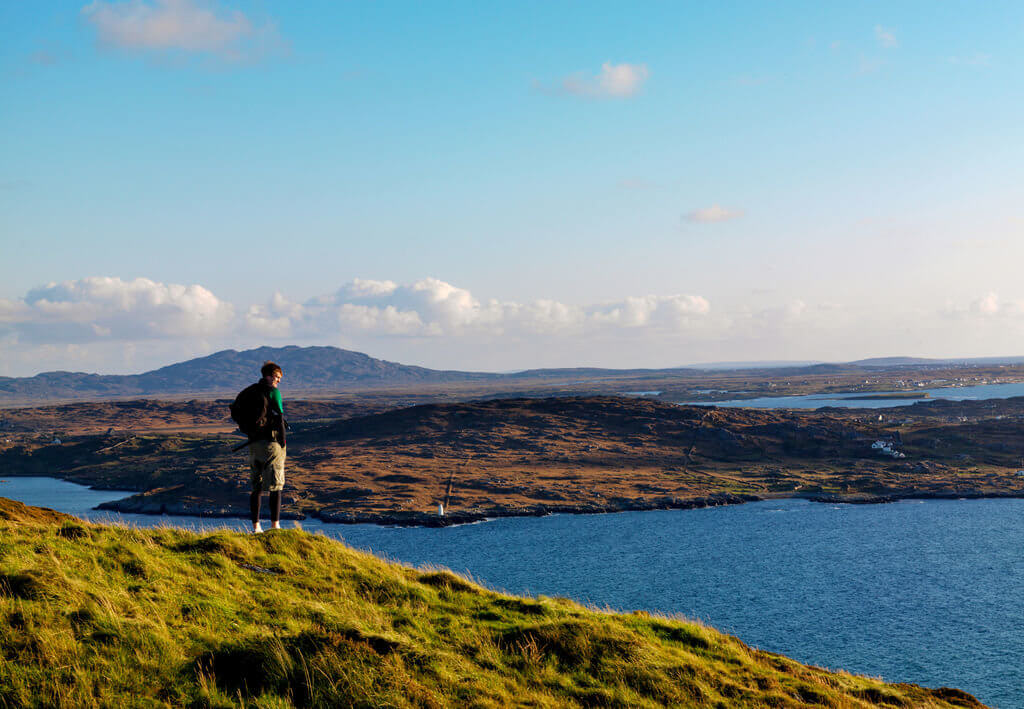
509,185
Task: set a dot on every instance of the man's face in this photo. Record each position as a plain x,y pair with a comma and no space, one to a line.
273,379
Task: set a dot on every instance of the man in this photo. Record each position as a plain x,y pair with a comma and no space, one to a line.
259,412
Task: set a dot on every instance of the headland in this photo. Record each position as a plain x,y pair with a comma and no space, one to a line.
516,457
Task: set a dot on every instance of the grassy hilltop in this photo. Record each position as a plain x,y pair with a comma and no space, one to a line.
96,615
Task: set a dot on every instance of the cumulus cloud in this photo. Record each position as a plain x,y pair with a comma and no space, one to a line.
987,306
670,310
433,308
110,308
613,81
428,307
106,318
190,26
886,37
712,214
275,318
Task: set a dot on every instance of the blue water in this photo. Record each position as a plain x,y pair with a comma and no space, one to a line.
815,401
930,592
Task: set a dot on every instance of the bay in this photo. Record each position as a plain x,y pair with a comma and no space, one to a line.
917,591
816,401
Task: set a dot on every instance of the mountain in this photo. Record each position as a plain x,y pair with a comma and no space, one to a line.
900,361
330,370
306,368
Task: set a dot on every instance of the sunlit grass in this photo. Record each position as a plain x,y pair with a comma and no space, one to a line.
110,615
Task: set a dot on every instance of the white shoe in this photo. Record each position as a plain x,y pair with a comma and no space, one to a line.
257,529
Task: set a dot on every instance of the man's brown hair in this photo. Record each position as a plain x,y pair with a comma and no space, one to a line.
270,368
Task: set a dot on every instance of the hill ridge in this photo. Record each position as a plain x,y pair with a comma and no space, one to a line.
307,368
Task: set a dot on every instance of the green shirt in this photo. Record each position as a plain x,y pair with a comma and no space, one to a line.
275,401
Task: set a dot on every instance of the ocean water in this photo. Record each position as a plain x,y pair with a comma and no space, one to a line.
815,401
930,592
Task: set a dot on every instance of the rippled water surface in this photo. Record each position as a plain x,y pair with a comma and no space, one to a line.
930,592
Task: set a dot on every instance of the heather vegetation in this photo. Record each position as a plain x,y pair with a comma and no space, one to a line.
513,457
96,615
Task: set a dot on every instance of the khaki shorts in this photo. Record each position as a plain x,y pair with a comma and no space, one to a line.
266,458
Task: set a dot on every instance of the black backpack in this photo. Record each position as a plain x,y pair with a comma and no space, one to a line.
249,410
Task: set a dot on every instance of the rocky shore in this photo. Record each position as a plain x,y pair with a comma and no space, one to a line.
426,519
150,504
137,504
145,504
868,499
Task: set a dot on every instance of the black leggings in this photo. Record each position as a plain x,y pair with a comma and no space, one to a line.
275,506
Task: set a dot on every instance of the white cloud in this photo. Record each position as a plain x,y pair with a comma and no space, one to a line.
364,288
886,37
652,310
274,319
622,79
549,316
985,307
97,323
388,320
613,81
110,308
182,25
433,308
712,214
113,325
12,311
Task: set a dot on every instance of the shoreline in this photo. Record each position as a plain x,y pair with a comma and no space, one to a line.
136,503
451,519
130,505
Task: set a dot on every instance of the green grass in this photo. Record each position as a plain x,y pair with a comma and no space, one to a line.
111,616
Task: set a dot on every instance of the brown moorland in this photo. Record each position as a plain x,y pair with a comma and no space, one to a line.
531,456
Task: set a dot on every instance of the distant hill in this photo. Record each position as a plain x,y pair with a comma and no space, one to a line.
328,368
596,372
767,364
899,361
